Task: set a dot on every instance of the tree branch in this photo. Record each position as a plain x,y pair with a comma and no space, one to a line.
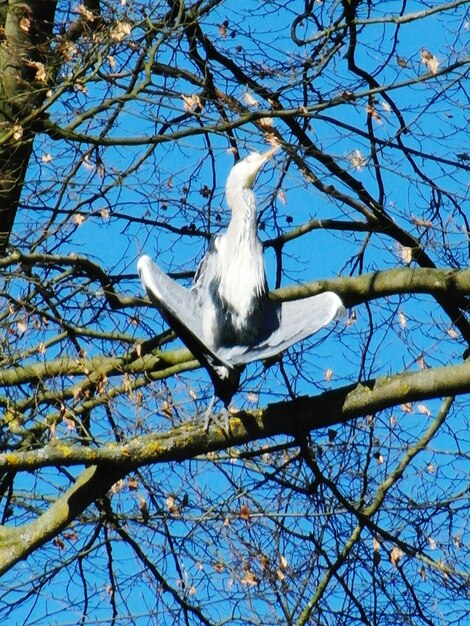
312,412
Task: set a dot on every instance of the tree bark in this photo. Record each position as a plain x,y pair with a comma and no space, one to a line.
24,47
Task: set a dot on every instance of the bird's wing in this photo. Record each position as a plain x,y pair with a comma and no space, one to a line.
298,319
179,307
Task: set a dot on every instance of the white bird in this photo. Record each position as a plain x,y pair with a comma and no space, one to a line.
226,318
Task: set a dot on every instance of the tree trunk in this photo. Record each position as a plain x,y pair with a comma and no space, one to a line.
26,29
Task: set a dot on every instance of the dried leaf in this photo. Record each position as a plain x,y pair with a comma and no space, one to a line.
429,60
143,508
406,253
282,196
132,483
46,157
249,578
328,374
379,457
385,106
86,13
25,24
172,506
332,434
17,132
101,384
263,561
280,574
372,111
395,555
59,543
120,31
266,123
432,543
357,160
22,326
40,71
244,512
191,103
375,544
166,409
407,407
117,487
41,348
422,572
452,333
104,214
250,100
223,29
252,397
402,62
423,409
218,567
78,219
402,319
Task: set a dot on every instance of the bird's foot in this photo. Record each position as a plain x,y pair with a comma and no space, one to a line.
221,420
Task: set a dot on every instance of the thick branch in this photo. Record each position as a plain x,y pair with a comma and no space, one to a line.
453,284
311,412
17,543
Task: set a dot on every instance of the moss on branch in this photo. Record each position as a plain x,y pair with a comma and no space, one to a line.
312,412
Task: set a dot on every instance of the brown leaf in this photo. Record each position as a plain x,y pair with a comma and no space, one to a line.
218,567
191,103
249,578
328,374
120,31
250,100
423,409
69,423
402,62
132,483
25,24
223,29
172,506
17,132
406,253
59,543
282,196
395,555
357,160
429,60
78,219
244,512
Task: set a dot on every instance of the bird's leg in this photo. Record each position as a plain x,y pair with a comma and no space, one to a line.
210,417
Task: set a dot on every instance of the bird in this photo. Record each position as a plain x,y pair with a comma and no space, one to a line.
226,318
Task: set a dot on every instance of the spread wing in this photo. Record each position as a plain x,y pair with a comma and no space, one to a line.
179,307
298,319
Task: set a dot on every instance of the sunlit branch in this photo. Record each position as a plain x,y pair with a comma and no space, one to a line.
312,412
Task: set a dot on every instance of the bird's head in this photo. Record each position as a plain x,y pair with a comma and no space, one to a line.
244,172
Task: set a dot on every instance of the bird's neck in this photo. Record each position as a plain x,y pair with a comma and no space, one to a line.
242,204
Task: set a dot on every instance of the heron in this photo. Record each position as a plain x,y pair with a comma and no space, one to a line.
226,317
